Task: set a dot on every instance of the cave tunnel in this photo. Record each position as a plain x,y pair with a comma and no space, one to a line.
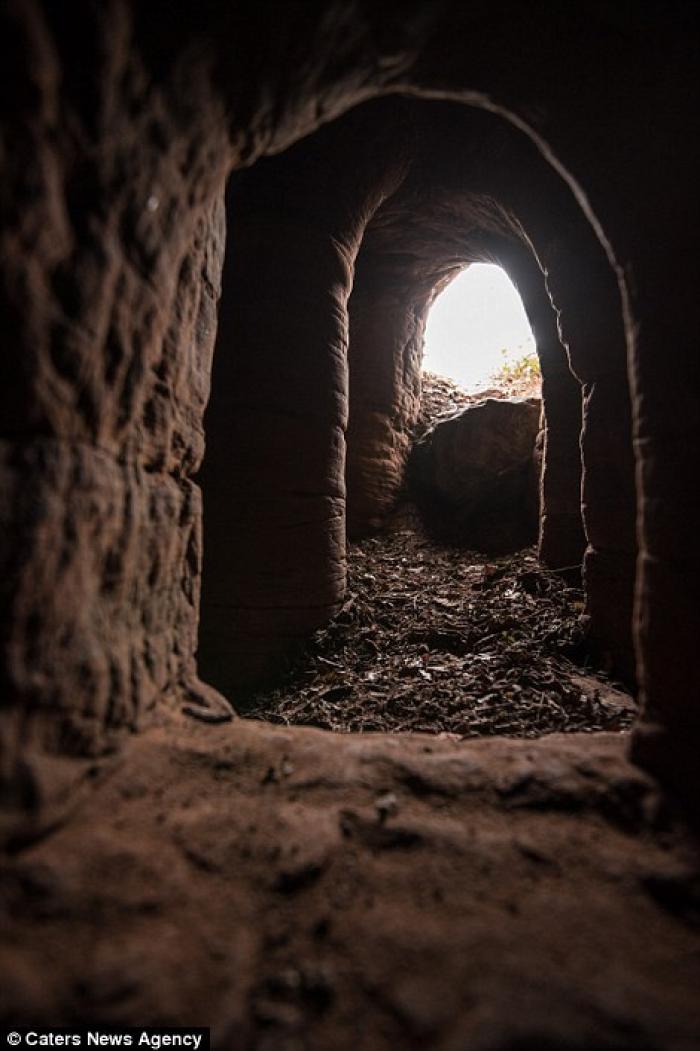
228,228
353,339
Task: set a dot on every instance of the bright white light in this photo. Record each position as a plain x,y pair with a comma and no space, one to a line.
479,315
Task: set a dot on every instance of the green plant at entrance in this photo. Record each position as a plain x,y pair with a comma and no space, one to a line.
518,374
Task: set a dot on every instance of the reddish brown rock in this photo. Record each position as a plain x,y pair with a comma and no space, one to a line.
274,476
472,474
335,890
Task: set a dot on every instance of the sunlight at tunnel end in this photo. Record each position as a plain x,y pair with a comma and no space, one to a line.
475,326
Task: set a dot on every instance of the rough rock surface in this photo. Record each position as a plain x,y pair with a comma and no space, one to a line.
297,889
274,477
473,475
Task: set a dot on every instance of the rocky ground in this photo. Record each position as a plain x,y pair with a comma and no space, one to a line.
440,396
298,890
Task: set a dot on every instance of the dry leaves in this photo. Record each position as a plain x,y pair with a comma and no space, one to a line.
443,640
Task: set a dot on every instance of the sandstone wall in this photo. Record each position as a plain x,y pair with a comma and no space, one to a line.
387,322
274,476
111,245
617,129
665,383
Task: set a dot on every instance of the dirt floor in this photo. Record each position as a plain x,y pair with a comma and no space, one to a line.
443,640
297,890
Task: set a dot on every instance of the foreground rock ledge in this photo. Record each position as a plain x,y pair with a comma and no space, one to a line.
298,889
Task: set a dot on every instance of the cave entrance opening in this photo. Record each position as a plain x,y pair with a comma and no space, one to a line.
476,457
477,329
